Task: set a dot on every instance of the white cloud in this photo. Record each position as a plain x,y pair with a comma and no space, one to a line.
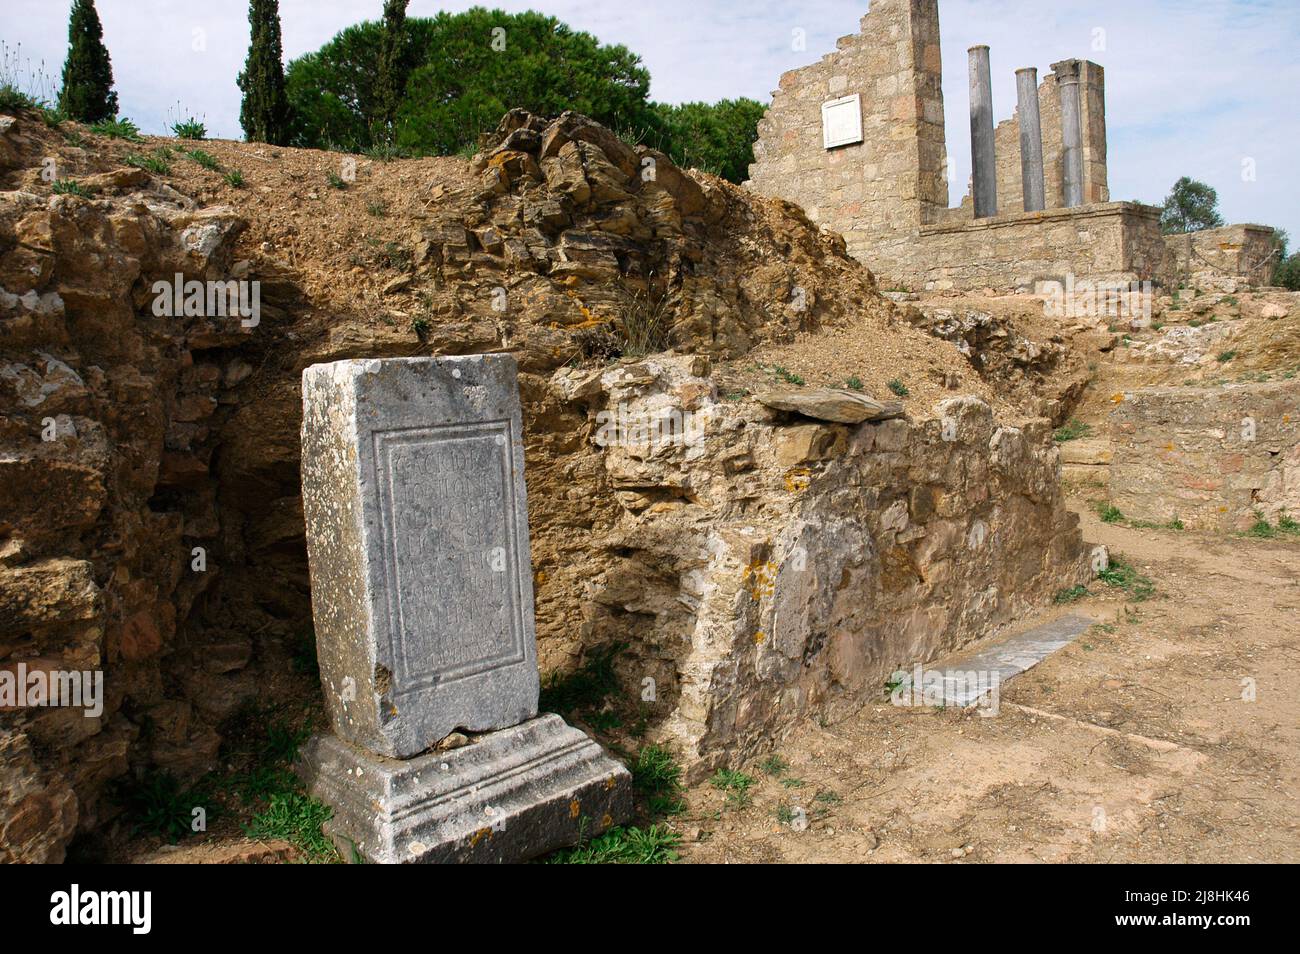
1193,86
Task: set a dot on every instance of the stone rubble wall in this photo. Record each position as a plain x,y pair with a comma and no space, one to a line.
106,424
779,566
1213,458
1221,259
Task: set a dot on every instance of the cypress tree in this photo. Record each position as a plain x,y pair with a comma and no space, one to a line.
264,113
394,66
87,94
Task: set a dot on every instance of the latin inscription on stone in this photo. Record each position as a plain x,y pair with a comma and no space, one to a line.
450,546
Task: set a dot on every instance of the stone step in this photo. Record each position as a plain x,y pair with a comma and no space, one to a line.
1093,452
997,662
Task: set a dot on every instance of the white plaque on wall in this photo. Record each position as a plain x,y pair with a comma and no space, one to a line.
842,121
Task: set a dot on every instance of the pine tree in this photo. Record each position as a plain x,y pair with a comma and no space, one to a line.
264,113
87,94
394,67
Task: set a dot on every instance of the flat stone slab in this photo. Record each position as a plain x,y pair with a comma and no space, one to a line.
417,539
831,404
510,795
1009,658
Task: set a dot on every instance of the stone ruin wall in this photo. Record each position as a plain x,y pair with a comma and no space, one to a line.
888,195
1113,243
780,567
1214,459
1215,259
879,192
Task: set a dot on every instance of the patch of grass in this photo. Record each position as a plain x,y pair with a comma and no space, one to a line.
1174,524
657,777
1226,356
788,377
205,159
644,325
655,845
297,819
13,99
1287,525
784,813
1071,595
70,187
52,116
1072,431
118,128
735,785
1123,575
421,327
1261,528
378,209
774,766
189,128
854,383
895,682
899,388
336,181
155,164
386,152
157,805
792,782
1109,513
234,178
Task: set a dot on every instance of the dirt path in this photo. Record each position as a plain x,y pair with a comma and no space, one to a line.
1134,744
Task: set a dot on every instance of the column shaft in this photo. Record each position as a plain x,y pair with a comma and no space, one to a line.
1031,140
984,170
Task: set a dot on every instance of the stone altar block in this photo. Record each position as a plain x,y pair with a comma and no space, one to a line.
417,538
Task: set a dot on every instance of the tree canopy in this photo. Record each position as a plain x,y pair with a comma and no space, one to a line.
87,94
716,137
450,77
1192,206
466,71
264,112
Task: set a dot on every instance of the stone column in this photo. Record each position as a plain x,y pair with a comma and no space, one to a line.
1031,140
984,168
1067,78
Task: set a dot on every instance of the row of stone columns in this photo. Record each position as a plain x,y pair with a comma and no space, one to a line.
984,175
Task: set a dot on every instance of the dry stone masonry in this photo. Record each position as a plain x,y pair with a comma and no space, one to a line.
417,533
1216,459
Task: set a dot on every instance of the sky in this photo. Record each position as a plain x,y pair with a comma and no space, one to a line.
1204,88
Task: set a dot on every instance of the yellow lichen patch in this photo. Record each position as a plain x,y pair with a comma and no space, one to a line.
574,808
797,479
479,836
760,580
606,820
609,783
1117,398
758,638
539,577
